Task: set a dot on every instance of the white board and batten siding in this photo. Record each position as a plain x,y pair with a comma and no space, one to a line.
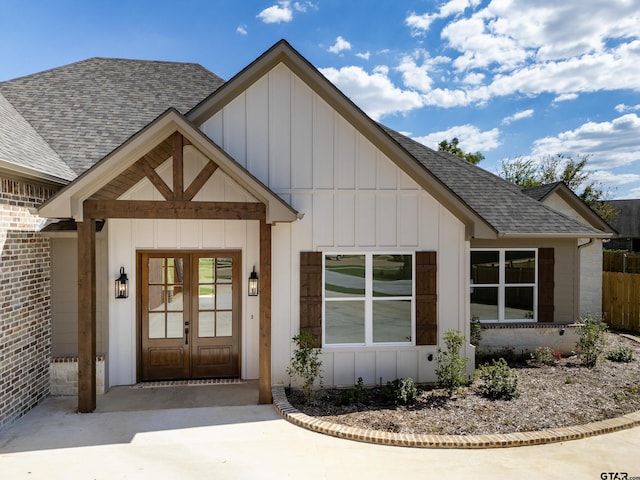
126,236
354,199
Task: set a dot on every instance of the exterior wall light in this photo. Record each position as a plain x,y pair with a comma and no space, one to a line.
122,285
253,283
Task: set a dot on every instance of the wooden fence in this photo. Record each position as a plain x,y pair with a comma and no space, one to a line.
624,262
621,300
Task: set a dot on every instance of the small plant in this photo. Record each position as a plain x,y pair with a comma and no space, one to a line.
592,341
545,356
499,381
618,396
620,354
475,331
357,394
569,380
450,368
400,392
305,362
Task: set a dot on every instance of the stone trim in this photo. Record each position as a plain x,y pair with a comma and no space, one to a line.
518,439
73,359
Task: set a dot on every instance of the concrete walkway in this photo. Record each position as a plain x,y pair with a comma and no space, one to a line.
254,442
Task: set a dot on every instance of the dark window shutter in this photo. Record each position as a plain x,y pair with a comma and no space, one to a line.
546,284
311,295
426,298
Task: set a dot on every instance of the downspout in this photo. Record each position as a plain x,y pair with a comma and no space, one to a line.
580,247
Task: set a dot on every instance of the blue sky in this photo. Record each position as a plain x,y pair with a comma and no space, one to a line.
509,78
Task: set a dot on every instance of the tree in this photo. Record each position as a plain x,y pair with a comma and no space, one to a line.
452,147
526,172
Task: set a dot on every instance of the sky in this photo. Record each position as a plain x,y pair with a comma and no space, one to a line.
508,78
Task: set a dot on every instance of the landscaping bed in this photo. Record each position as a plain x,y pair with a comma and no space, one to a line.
550,396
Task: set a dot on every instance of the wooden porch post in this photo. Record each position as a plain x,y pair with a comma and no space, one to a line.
86,315
264,350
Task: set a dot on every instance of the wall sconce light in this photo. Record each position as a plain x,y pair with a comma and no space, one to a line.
253,283
122,285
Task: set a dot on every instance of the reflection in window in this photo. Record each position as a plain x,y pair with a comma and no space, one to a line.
368,299
503,285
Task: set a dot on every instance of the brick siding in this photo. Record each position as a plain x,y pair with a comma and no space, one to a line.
25,300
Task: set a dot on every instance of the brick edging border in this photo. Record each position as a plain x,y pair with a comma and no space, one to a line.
518,439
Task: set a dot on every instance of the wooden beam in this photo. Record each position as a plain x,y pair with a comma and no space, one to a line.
264,348
198,182
178,171
98,209
87,316
155,179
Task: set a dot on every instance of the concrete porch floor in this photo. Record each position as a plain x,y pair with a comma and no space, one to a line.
193,432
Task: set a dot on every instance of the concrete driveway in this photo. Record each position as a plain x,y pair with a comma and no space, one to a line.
253,442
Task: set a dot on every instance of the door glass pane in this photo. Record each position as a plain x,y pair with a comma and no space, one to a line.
206,297
174,298
344,322
520,267
223,270
392,275
156,325
155,270
391,321
156,298
224,324
206,272
344,276
223,297
485,267
174,325
206,324
518,303
484,303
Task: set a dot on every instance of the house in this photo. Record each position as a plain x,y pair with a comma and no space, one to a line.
195,188
627,224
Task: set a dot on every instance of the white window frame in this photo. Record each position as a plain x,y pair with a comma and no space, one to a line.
368,299
502,285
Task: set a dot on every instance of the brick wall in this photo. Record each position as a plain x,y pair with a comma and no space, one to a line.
25,300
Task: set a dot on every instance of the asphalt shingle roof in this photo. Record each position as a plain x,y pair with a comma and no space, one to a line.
498,202
31,151
540,192
82,123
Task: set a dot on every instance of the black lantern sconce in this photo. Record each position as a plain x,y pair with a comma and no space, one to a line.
122,285
253,283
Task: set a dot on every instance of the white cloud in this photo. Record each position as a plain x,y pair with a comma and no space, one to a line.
610,144
518,116
304,6
420,24
471,138
474,78
609,178
340,46
374,93
279,13
242,29
621,108
565,97
363,55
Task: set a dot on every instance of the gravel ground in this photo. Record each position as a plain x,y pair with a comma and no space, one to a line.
550,396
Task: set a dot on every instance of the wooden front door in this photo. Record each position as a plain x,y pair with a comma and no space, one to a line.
189,315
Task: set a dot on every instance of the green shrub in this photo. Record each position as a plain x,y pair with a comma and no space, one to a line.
450,368
545,356
305,362
357,394
475,332
400,392
499,381
592,341
620,354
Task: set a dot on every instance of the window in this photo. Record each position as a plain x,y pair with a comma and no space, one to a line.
503,285
368,299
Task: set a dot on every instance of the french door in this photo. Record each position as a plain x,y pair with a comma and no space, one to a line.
189,314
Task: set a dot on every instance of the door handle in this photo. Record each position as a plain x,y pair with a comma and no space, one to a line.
186,333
